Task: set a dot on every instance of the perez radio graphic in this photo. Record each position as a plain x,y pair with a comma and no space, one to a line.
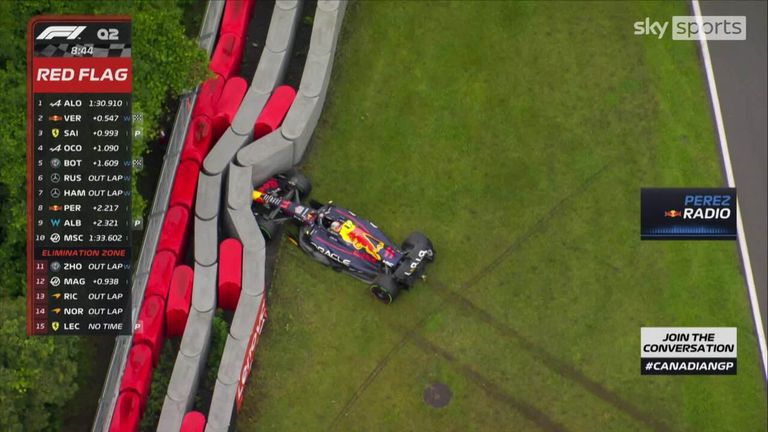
688,214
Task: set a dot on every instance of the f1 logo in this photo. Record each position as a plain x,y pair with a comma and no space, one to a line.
69,32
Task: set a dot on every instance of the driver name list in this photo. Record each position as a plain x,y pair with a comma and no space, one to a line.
79,168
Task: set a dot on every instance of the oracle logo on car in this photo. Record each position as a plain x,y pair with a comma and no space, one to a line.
415,263
261,317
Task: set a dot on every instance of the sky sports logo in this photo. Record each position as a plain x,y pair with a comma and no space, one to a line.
688,28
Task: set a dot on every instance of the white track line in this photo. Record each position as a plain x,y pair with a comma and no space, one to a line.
732,183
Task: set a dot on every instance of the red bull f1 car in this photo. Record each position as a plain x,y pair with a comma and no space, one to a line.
339,238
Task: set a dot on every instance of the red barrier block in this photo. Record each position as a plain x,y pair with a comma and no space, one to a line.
160,274
138,373
199,139
175,231
185,184
228,55
219,125
274,111
179,300
127,414
237,15
194,421
208,96
231,97
150,327
230,273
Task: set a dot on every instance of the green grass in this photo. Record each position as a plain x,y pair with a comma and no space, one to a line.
517,135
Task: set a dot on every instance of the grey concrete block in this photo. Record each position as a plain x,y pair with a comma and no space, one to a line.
197,334
239,186
172,415
307,113
282,26
181,125
151,237
208,201
254,261
223,151
204,288
232,360
269,73
212,428
221,415
164,184
297,120
185,378
287,4
210,27
139,285
324,34
228,229
268,156
249,110
245,228
329,5
245,315
317,73
206,240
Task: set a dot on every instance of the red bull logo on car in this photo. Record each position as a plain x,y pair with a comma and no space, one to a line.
360,239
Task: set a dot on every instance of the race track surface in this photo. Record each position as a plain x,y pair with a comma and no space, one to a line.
740,75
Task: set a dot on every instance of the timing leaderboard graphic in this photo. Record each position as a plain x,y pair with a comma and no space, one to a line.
79,165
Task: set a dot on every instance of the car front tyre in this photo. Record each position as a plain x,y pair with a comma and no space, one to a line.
385,289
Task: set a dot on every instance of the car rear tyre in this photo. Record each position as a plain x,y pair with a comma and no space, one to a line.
268,228
301,183
418,240
385,289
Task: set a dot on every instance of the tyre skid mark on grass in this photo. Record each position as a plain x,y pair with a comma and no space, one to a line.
549,360
537,227
375,373
530,412
413,331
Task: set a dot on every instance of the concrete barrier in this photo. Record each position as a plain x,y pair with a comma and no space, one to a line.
198,340
269,73
239,186
106,408
268,156
186,375
204,288
222,411
264,157
206,241
172,414
209,191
